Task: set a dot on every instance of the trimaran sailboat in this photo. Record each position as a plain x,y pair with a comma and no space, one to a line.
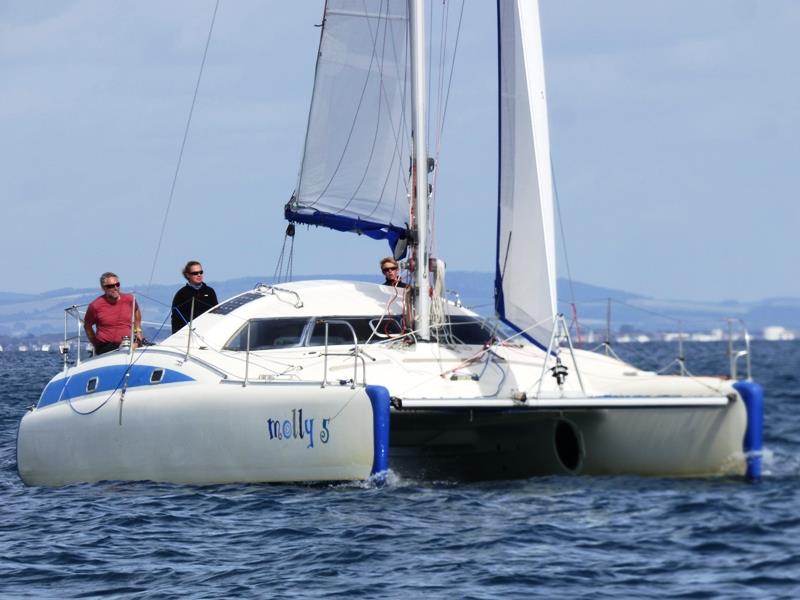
331,380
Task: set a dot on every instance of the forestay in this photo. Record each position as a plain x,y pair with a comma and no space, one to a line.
355,169
525,271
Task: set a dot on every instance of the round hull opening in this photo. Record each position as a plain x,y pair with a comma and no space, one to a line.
568,445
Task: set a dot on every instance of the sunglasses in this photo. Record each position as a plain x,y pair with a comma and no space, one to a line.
387,269
195,272
110,286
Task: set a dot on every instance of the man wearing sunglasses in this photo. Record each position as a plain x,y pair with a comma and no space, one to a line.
391,272
108,318
194,292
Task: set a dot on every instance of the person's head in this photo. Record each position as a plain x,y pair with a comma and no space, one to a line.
389,269
193,272
109,283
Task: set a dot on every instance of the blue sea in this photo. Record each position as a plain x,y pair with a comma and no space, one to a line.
553,537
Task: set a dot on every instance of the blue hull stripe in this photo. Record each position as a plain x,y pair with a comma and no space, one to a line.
108,380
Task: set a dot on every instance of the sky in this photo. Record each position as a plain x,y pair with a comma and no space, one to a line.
674,126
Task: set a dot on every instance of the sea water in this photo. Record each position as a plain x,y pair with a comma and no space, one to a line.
552,537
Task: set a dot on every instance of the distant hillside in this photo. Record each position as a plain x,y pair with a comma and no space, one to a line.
39,314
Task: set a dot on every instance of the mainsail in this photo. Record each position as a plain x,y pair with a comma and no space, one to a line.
525,281
355,170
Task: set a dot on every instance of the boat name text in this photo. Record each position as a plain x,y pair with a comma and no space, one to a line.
297,428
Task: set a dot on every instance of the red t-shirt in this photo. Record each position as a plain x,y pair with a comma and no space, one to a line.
113,320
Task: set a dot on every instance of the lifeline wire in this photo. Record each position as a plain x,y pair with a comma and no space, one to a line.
122,383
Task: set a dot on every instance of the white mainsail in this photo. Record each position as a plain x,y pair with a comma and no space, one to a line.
525,282
355,169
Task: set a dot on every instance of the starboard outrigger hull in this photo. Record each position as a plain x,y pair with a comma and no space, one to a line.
202,435
481,443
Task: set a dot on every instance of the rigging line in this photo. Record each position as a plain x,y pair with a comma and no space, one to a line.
440,69
121,383
452,70
279,267
446,101
183,146
430,61
290,267
652,312
563,234
440,61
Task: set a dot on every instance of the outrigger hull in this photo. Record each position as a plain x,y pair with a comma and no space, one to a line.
202,435
483,444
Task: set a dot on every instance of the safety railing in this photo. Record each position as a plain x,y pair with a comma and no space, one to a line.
263,288
735,355
356,352
75,313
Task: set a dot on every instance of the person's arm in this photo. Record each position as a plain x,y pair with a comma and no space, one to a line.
212,297
88,323
175,312
137,323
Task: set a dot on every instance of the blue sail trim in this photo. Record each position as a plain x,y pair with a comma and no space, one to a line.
376,231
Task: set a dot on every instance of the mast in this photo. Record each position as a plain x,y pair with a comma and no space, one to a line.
419,157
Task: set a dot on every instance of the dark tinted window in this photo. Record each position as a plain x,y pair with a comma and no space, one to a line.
468,330
337,334
234,303
269,333
364,328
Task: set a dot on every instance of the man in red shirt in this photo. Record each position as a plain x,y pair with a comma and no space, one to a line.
108,318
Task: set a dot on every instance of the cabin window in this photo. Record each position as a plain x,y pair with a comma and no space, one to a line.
269,333
91,385
157,376
374,329
384,327
467,330
338,334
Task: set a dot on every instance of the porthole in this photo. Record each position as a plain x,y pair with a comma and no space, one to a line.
91,385
157,375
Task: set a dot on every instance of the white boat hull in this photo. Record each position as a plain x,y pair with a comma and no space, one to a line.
496,444
200,409
223,434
